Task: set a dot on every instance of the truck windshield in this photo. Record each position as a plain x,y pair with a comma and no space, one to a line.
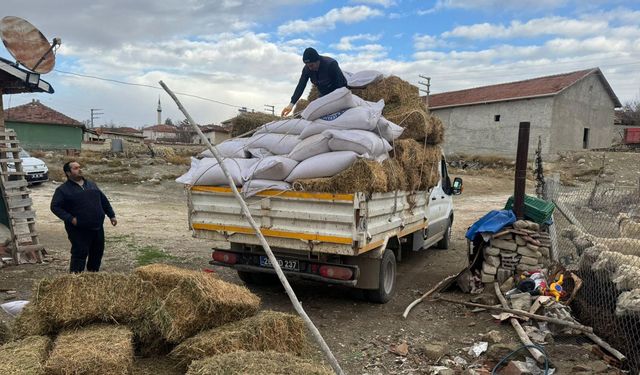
24,154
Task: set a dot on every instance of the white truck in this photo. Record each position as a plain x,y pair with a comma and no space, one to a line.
347,239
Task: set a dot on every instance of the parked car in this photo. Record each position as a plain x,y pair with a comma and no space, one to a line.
36,170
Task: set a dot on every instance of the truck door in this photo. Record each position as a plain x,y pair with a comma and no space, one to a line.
438,206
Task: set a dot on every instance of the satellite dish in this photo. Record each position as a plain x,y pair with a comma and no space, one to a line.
27,44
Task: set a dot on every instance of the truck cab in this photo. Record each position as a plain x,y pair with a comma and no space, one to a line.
440,210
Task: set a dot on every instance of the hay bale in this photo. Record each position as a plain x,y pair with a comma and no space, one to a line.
77,299
300,105
30,322
436,131
264,363
202,302
362,176
415,122
268,330
25,357
420,163
165,277
156,366
396,177
97,350
247,121
5,333
313,94
398,95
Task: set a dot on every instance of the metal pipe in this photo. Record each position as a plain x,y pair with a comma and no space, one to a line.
522,155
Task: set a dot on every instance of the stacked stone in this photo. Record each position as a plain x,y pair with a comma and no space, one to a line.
515,249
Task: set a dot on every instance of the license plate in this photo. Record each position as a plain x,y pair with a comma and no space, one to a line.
285,264
36,175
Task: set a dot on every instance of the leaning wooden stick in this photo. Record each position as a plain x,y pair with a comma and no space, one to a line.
619,356
549,319
265,245
427,294
524,338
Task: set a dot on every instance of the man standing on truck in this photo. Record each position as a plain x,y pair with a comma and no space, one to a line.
82,206
323,71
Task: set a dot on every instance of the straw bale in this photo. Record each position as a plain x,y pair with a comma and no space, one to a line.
25,357
247,121
5,333
362,176
415,122
436,131
268,330
97,350
264,363
420,163
30,322
300,105
200,303
165,277
313,94
397,94
77,299
396,177
156,366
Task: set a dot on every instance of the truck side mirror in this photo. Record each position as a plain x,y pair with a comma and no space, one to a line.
457,188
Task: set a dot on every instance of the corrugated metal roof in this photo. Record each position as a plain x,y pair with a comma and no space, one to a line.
531,88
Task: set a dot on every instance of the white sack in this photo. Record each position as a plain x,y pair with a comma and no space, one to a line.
277,144
259,152
338,100
388,130
14,308
361,142
312,146
290,126
187,177
208,172
253,187
362,118
323,165
231,148
270,168
363,78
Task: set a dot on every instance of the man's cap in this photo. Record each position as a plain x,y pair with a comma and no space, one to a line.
310,55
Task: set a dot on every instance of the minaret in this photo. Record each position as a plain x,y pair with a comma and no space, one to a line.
159,112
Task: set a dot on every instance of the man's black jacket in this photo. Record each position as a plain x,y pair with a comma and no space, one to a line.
328,78
86,203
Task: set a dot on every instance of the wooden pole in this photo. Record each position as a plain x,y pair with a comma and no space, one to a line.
427,294
1,111
265,245
527,314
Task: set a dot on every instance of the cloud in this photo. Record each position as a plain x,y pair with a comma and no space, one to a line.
383,3
532,28
328,21
493,5
421,42
346,42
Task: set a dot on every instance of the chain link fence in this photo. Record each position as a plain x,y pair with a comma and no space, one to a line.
597,236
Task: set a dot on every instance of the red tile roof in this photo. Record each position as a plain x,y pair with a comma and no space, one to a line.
161,128
536,87
36,112
216,128
121,130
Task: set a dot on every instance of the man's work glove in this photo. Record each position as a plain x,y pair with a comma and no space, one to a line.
287,110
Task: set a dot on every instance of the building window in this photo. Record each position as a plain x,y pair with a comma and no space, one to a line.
585,138
496,118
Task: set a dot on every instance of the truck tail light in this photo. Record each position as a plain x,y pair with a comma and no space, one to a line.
224,257
336,272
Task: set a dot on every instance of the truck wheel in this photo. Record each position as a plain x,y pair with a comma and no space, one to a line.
246,277
387,279
258,278
446,240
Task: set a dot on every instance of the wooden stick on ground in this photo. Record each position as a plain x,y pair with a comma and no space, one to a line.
537,354
265,245
427,294
619,356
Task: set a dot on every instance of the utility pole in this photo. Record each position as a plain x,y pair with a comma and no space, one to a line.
95,115
427,84
270,108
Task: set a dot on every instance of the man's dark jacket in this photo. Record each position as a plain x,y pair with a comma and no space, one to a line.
86,203
328,78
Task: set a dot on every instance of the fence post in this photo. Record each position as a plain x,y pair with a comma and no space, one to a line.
551,194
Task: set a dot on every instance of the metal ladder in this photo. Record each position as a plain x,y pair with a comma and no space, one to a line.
14,186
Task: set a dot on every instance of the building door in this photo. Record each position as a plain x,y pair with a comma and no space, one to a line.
585,138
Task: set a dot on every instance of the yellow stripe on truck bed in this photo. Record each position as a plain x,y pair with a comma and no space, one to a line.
280,193
275,233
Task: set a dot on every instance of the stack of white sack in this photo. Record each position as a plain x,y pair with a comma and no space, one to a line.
335,130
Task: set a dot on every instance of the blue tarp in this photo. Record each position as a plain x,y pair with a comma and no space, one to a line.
492,222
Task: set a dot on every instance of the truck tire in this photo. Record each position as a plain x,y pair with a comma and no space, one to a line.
446,239
387,279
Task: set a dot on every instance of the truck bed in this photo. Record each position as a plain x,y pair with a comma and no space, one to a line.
341,224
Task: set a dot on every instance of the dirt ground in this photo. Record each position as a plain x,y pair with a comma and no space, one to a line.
152,227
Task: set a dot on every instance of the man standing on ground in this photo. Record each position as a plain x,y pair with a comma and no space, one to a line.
323,72
82,207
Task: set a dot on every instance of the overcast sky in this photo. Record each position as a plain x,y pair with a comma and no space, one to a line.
248,52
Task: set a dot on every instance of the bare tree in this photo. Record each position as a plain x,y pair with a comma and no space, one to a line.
631,113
